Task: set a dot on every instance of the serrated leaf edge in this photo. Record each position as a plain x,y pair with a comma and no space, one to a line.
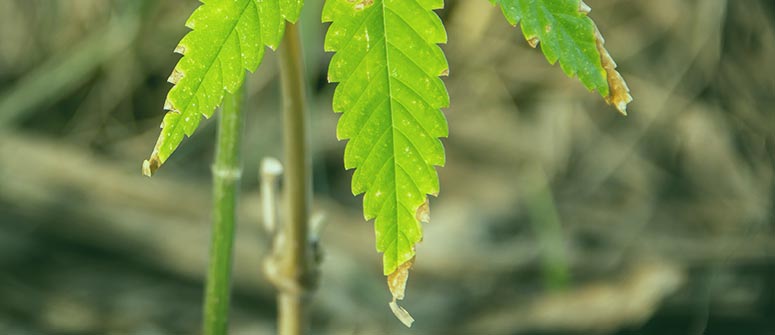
618,94
155,161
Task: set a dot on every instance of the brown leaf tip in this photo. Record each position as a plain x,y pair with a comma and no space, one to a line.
397,284
397,280
175,77
533,41
180,49
423,213
151,165
618,91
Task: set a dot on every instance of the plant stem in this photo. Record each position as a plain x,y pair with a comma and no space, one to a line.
226,175
296,261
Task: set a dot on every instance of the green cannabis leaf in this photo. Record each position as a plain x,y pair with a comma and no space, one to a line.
227,38
568,35
388,64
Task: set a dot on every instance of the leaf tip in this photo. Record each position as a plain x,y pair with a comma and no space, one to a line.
397,284
401,313
584,8
175,77
397,280
180,49
151,165
618,91
423,213
167,107
622,108
533,41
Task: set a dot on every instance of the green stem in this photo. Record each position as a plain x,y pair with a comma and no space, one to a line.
226,175
296,264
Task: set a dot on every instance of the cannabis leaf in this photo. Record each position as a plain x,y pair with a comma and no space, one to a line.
227,38
387,63
567,34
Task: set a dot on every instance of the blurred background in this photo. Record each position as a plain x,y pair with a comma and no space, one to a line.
556,215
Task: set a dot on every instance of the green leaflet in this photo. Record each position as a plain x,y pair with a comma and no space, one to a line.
227,38
387,63
565,34
290,9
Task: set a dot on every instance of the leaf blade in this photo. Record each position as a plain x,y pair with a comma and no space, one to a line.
387,63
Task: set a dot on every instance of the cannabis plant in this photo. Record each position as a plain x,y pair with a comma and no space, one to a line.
387,63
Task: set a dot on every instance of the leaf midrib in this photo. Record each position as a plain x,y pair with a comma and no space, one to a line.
392,125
